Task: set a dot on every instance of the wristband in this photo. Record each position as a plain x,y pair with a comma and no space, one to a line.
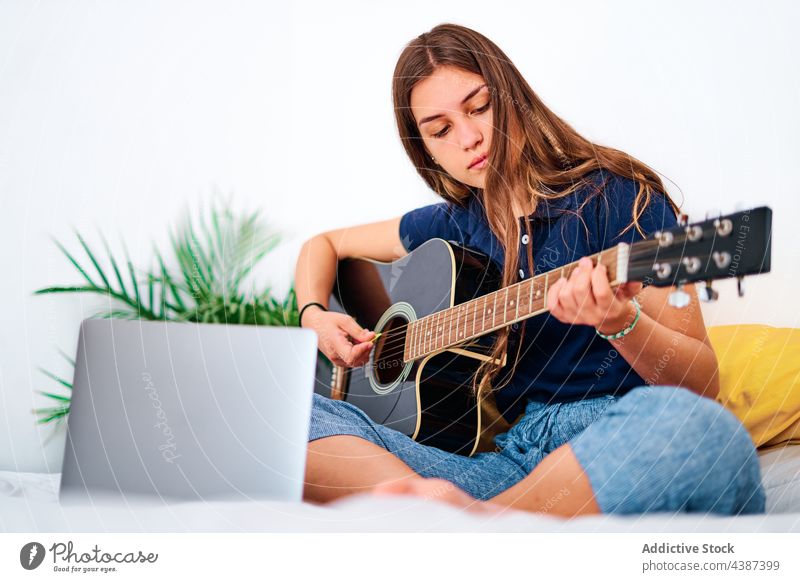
628,329
307,305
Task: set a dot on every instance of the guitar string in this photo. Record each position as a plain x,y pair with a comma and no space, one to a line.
389,350
398,334
449,319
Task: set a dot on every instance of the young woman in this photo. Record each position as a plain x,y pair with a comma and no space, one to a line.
599,421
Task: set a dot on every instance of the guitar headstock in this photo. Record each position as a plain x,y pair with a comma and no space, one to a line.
734,245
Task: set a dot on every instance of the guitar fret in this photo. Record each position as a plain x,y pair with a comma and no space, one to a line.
457,310
494,308
458,322
414,330
474,319
435,330
530,299
450,329
461,310
546,281
505,308
516,313
423,336
454,321
428,333
409,346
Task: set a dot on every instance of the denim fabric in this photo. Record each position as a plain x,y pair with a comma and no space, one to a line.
656,448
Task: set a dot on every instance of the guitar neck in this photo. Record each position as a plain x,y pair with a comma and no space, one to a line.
477,317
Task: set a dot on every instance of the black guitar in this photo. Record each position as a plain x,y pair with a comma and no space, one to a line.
436,308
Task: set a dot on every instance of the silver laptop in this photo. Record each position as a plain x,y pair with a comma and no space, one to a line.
184,411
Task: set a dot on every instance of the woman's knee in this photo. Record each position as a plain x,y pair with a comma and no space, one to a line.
712,451
668,449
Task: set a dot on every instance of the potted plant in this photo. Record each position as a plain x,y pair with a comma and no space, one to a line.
213,257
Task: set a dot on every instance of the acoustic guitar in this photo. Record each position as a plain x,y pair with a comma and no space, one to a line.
438,308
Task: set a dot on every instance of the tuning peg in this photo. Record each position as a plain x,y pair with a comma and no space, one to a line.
740,285
707,293
683,219
679,298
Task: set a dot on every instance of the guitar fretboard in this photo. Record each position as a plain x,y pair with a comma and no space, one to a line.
476,317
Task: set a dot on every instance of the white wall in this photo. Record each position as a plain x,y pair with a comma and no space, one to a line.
115,115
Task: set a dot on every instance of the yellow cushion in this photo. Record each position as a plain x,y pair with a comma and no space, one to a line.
760,379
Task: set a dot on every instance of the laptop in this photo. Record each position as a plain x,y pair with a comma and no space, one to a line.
186,411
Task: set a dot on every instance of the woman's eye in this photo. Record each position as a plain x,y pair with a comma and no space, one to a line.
474,111
482,109
442,132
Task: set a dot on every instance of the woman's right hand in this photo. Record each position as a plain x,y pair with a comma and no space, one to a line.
341,339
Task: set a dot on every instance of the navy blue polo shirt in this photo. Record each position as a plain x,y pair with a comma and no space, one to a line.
558,362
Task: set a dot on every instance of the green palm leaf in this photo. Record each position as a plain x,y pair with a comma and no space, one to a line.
213,255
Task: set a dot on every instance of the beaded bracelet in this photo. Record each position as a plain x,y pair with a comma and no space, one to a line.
300,317
628,329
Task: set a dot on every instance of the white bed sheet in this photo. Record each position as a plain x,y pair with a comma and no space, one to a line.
28,502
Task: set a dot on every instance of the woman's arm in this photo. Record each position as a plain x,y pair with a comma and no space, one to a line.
667,346
341,338
316,265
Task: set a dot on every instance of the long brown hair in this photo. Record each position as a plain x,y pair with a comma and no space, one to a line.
539,157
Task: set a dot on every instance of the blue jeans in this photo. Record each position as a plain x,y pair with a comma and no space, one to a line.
657,448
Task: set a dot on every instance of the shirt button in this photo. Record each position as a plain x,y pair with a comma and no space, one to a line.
525,239
521,274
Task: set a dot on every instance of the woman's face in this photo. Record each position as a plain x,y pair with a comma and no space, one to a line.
454,118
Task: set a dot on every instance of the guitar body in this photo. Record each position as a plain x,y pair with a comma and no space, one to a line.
429,399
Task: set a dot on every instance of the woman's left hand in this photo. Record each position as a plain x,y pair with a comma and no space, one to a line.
587,298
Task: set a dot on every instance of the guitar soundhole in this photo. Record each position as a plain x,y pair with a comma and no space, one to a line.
387,363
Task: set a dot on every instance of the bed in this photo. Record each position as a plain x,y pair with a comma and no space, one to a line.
29,502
